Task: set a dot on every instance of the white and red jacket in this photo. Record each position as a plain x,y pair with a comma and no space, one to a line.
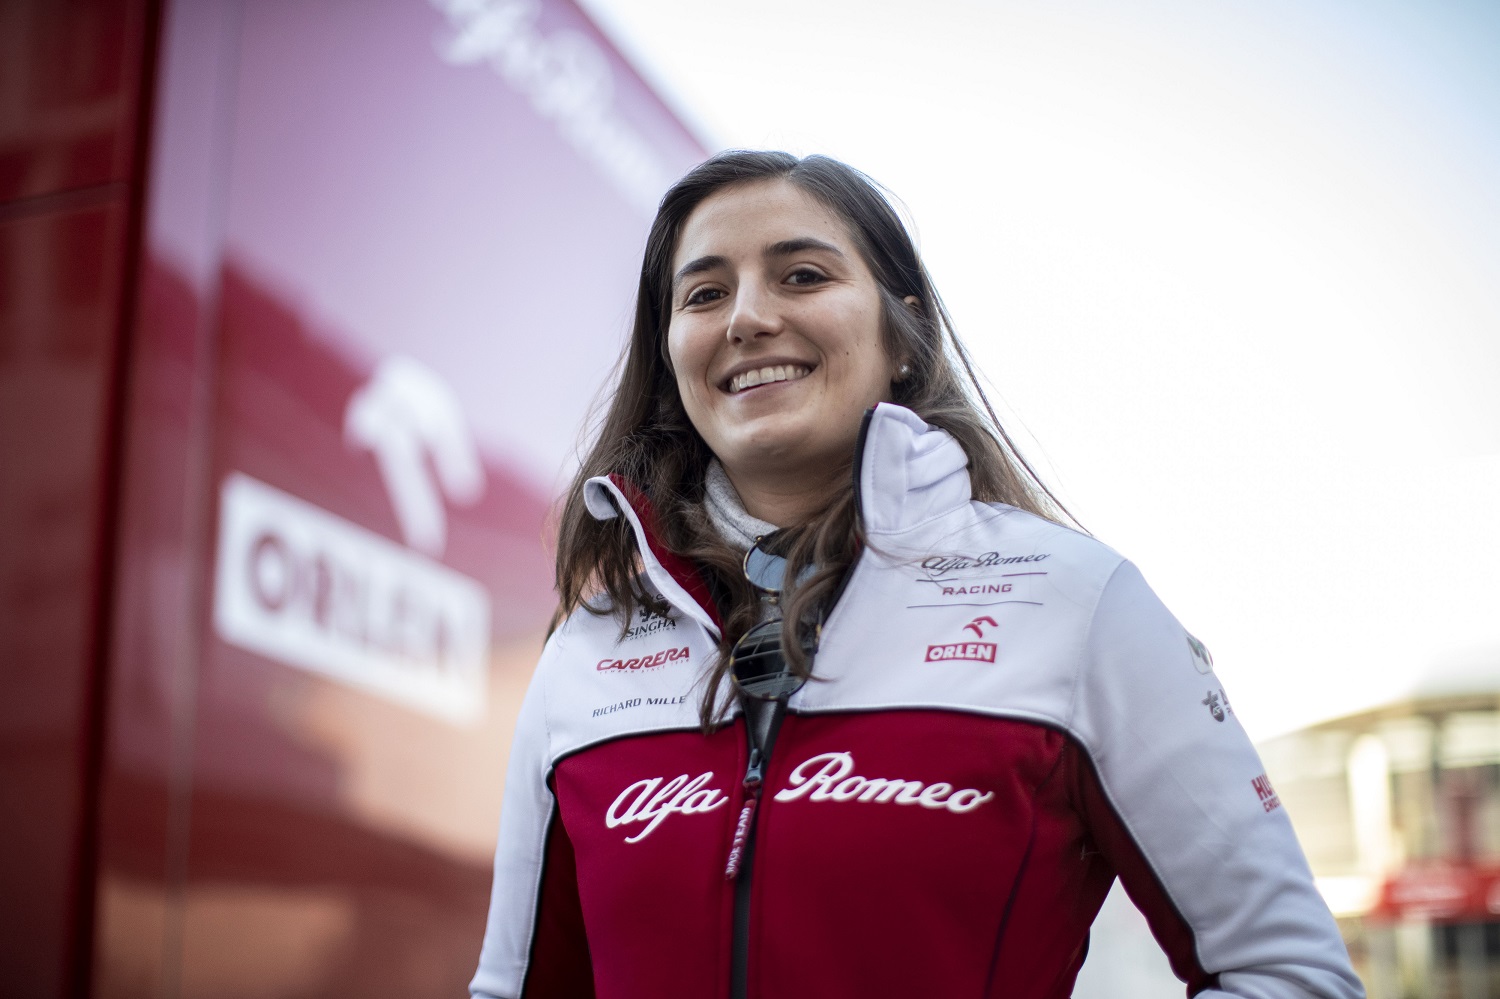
1005,717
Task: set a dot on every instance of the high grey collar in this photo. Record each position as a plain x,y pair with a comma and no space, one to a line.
734,523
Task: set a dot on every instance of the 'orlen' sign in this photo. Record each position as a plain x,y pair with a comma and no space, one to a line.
300,585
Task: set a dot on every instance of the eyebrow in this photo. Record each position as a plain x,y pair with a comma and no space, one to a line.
787,247
697,266
784,248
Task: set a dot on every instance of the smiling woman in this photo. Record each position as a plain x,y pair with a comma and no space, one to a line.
805,533
775,339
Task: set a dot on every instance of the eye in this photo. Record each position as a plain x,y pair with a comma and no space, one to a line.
703,295
805,276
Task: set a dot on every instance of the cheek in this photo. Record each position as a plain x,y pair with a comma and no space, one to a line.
689,358
688,369
674,347
877,368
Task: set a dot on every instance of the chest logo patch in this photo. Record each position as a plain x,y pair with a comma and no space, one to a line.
979,652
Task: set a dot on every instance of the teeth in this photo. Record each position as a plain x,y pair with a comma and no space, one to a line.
764,376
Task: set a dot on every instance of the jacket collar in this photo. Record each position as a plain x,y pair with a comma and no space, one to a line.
908,473
609,496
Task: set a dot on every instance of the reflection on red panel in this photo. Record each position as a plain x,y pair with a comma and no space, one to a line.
75,65
290,821
303,881
285,398
357,364
59,299
149,695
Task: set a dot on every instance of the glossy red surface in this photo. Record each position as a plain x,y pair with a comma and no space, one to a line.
69,127
60,293
72,74
308,808
273,821
144,783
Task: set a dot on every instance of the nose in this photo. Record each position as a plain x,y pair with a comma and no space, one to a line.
754,315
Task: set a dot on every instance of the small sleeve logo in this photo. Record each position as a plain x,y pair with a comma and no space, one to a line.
1267,794
1202,661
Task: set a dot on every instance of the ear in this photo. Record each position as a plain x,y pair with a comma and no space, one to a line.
903,365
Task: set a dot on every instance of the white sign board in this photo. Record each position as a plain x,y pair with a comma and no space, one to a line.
299,585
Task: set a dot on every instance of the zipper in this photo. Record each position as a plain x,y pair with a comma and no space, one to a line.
753,776
741,860
761,727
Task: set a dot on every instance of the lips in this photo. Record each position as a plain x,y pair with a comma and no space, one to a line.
766,375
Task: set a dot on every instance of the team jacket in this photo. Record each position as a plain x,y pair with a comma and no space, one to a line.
1004,719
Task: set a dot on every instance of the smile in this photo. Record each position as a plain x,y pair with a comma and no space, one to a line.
767,375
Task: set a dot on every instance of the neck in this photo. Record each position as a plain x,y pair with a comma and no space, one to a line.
787,500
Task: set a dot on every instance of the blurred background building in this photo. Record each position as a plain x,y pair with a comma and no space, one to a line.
1398,809
303,304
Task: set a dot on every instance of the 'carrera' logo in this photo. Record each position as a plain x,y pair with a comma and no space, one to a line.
641,663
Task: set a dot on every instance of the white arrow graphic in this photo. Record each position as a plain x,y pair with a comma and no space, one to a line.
405,415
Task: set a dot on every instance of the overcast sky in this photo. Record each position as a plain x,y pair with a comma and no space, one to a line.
1231,270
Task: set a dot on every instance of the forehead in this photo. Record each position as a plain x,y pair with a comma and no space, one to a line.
748,217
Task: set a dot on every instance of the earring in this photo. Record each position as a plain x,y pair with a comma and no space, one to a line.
903,372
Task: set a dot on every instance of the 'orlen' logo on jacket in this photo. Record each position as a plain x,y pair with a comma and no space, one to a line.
979,652
640,664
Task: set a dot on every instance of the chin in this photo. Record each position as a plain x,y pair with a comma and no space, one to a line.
792,457
780,443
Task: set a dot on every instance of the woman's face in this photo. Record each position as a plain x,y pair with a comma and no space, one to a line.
775,334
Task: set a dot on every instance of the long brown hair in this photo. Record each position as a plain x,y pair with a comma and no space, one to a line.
646,436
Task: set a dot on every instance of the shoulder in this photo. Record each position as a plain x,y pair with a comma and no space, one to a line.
598,625
992,540
1013,525
604,679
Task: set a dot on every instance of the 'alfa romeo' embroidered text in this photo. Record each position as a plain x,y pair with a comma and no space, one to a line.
829,777
650,801
825,777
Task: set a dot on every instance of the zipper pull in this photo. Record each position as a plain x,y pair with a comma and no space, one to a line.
747,814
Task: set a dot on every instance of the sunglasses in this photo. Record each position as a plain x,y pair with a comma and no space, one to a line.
758,665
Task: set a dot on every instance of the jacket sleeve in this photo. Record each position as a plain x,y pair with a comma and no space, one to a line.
1178,801
534,942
